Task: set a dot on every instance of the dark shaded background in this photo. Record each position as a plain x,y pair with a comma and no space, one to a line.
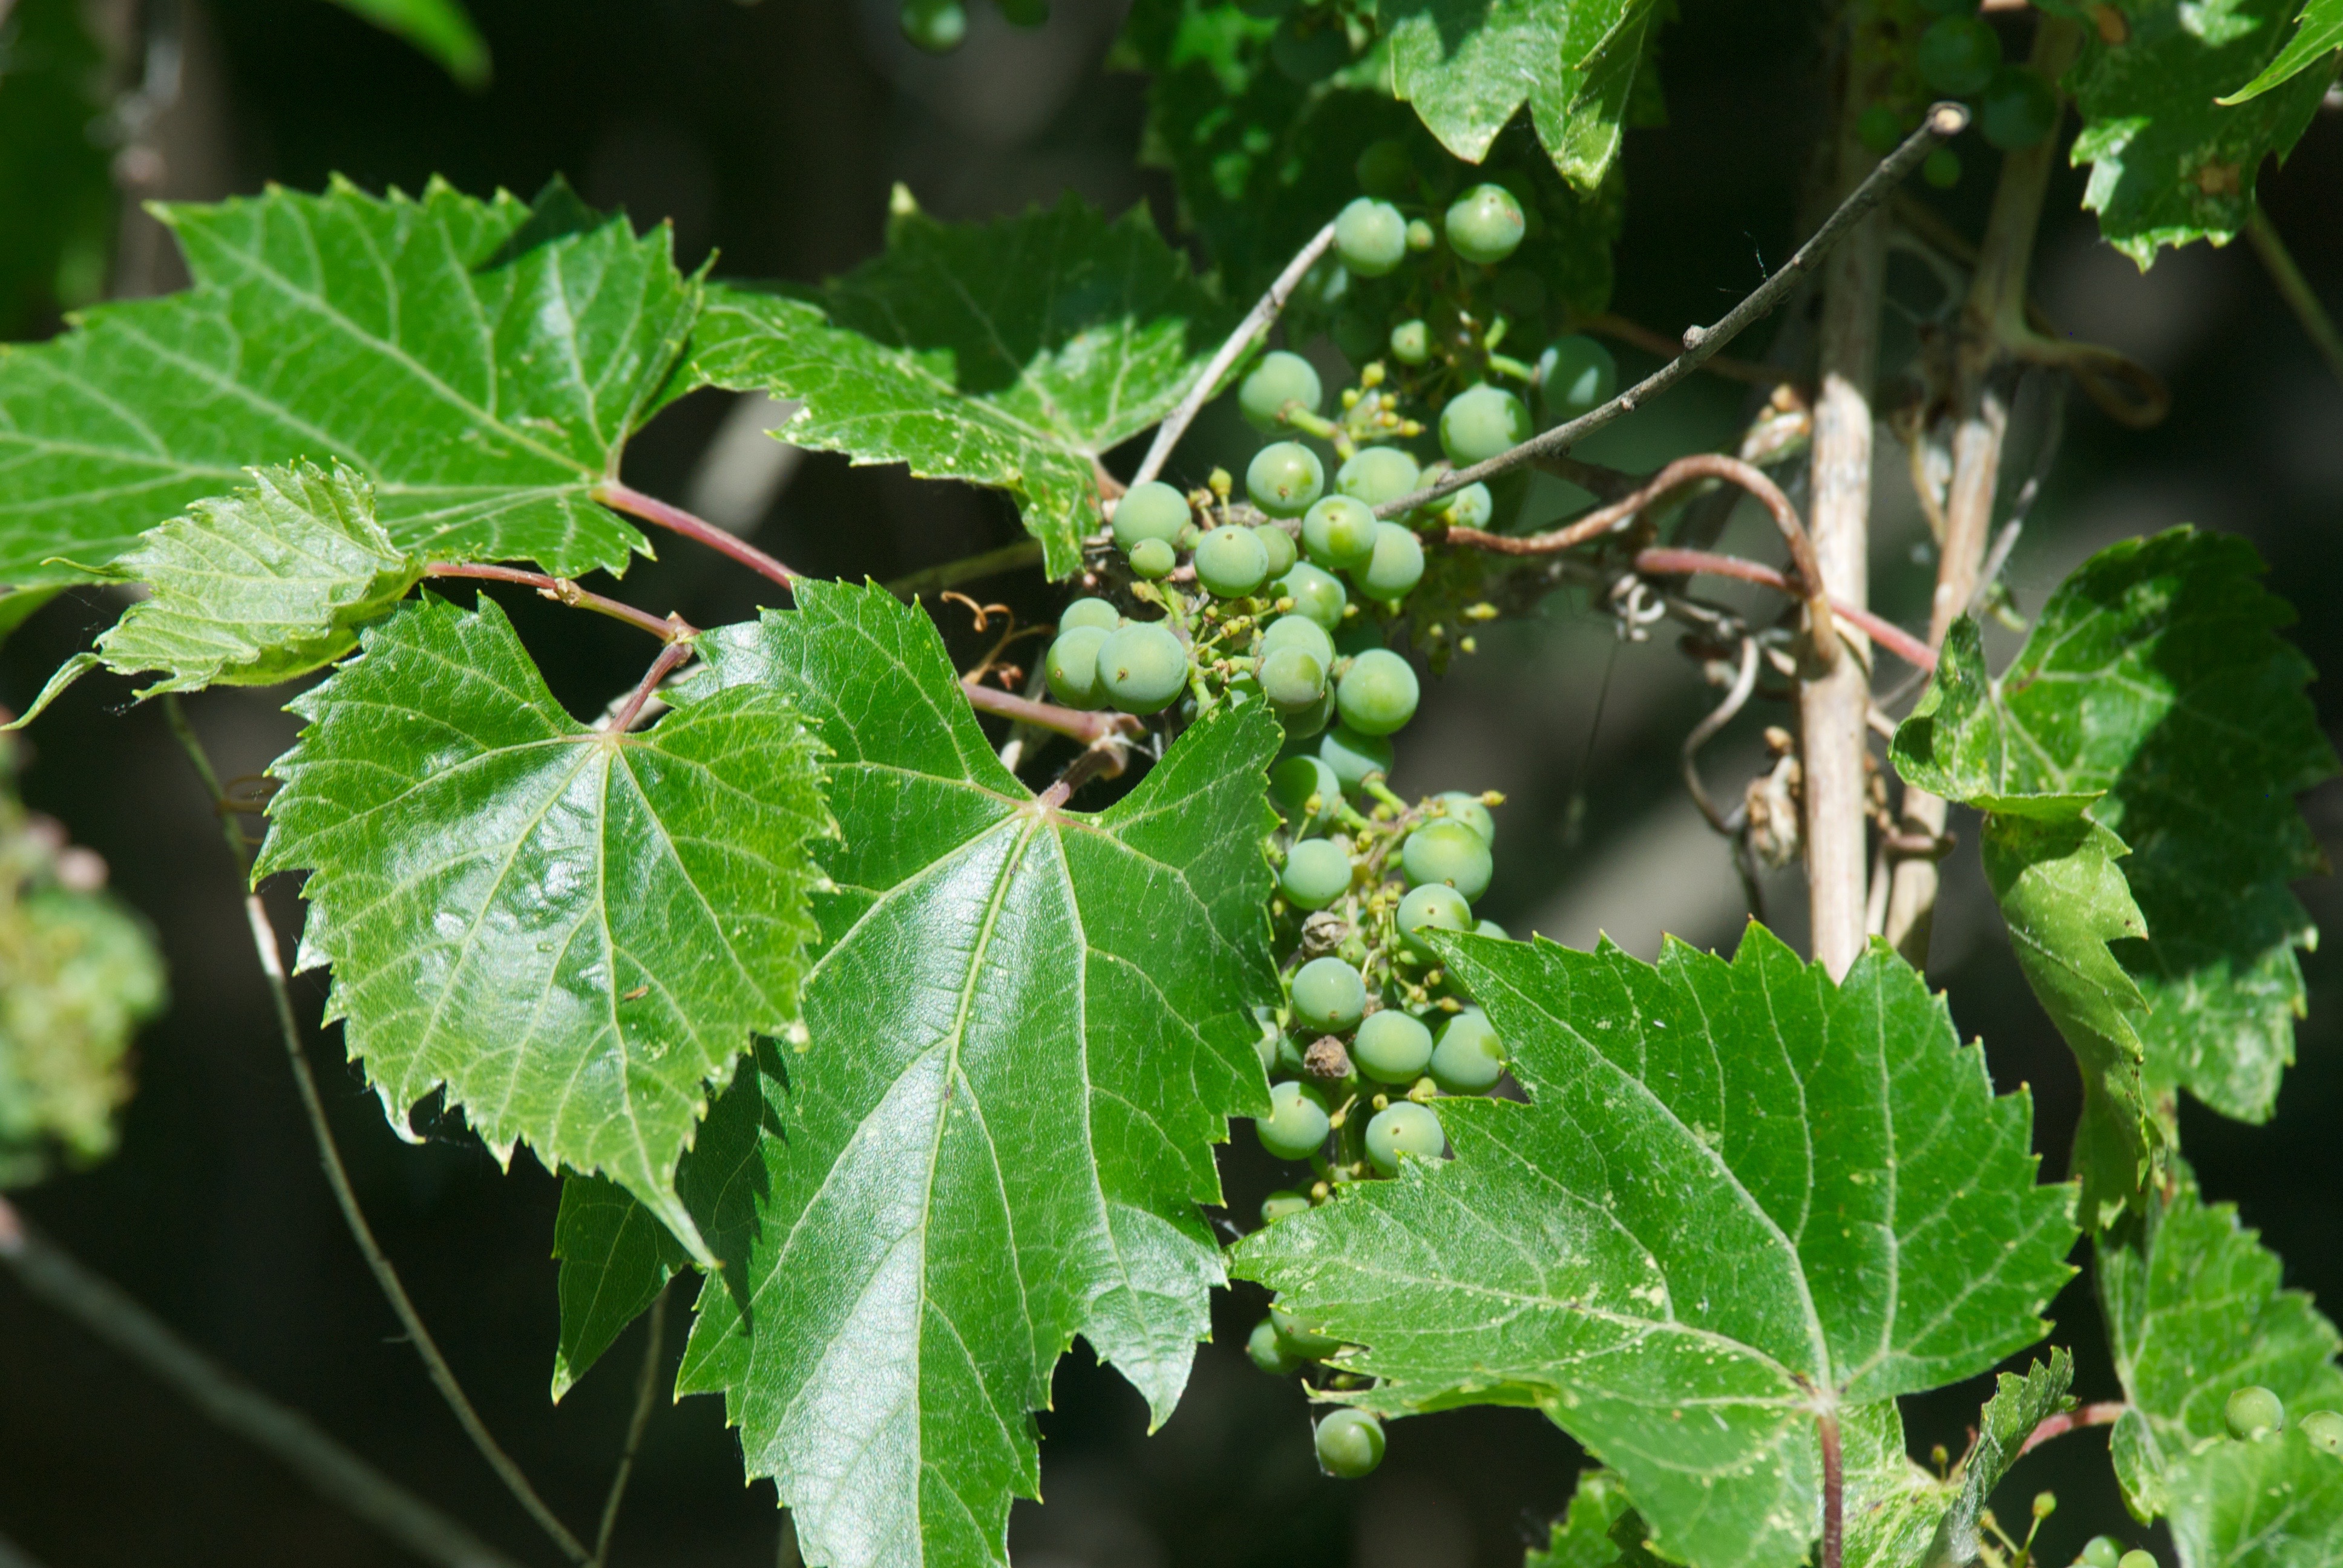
773,133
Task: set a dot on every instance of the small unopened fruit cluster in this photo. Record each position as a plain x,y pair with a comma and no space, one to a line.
1957,54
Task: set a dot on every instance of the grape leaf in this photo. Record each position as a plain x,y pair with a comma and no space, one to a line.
2320,34
2194,1312
2275,1502
437,27
78,975
2169,164
1468,65
1026,1027
573,931
2156,675
256,589
1740,1195
616,1257
57,184
1600,1530
2018,1405
1012,354
481,363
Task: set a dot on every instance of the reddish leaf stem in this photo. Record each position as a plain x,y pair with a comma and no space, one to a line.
561,590
2103,1413
673,654
1834,1492
1672,563
1089,729
623,497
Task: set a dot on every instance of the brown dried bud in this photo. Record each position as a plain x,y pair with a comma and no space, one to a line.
1326,1059
1322,933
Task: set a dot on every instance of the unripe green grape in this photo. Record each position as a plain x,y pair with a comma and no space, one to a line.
1575,375
2254,1411
2136,1559
1356,334
1338,532
2020,108
1353,757
1472,811
1292,679
1469,507
1279,379
1329,996
1317,594
1294,781
1434,906
1369,237
1411,343
1391,1046
2100,1551
1481,422
1142,667
1302,1341
1267,1352
1378,474
1942,169
1152,559
1298,631
1296,1123
1396,566
1154,510
1277,547
1491,929
1958,56
2324,1428
1419,236
1403,1127
1350,1445
1469,1058
1447,851
1095,612
1282,1204
1230,562
1284,477
1071,667
1378,694
936,27
1485,225
1316,872
1302,722
1879,128
1385,169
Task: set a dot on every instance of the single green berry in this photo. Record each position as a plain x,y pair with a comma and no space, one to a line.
1278,546
1298,631
1296,1123
1434,906
1942,169
1575,375
1305,1343
1471,810
1317,872
936,27
1403,1127
1232,562
1071,667
1391,1046
2254,1411
2019,110
1396,566
2136,1559
1154,510
1292,679
1295,782
1338,532
1879,128
1485,225
1469,1058
1958,56
2324,1428
1142,667
1469,507
1481,422
1385,169
1444,851
2100,1551
1284,477
1356,336
1266,1350
1378,474
1378,694
1371,236
1317,594
1152,559
1329,996
1493,931
1282,1204
1281,379
1411,343
1095,612
1419,236
1350,1445
1355,757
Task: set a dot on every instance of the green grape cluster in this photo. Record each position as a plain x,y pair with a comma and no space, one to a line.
1956,53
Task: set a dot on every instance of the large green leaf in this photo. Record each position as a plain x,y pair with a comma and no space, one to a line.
1027,1027
2314,42
574,932
253,589
2155,678
1741,1196
481,363
2194,1312
616,1257
1469,65
1013,353
56,185
437,27
2275,1502
2168,162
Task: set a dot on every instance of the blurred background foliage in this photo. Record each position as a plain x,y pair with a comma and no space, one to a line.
769,136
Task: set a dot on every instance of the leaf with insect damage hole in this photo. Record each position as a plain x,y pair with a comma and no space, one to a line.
1741,1195
574,932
